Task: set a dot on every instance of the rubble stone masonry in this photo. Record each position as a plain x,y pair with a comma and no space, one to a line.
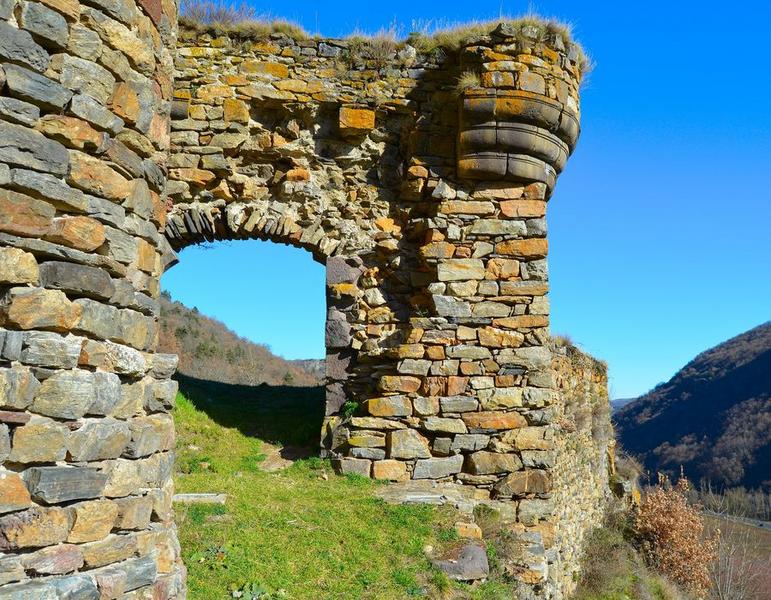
124,139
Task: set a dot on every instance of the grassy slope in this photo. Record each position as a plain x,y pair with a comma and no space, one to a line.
316,535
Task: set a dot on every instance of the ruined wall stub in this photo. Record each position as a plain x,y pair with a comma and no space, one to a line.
426,204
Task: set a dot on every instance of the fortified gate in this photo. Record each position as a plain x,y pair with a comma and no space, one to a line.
419,177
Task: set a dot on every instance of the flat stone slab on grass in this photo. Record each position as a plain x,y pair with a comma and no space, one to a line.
200,498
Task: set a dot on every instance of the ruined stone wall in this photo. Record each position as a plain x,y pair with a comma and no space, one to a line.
86,437
584,450
426,203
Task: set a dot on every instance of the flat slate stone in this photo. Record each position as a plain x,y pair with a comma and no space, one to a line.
52,485
35,87
470,564
18,111
18,46
76,279
28,148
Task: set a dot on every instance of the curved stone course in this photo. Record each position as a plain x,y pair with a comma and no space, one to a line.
120,144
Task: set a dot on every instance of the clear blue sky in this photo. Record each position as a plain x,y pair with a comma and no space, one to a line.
660,227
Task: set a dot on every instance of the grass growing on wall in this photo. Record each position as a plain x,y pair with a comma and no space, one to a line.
300,533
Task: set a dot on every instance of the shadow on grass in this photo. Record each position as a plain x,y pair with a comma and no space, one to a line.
282,415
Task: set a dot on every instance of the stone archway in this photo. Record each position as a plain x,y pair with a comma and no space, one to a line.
120,143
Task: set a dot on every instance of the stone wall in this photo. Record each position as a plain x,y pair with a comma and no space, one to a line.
426,202
584,450
85,430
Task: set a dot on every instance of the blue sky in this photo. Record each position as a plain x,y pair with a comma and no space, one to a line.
660,227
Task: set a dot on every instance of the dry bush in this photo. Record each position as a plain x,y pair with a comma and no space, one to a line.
672,538
738,573
209,12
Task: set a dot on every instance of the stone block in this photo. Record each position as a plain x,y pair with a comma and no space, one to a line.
21,214
356,121
81,587
46,26
96,177
369,453
389,406
49,187
163,396
522,483
469,442
33,528
149,435
407,443
400,383
390,470
11,569
79,280
493,420
357,466
489,463
438,468
13,494
86,77
501,398
39,440
18,46
98,439
90,110
37,308
411,366
92,520
54,560
461,269
50,350
18,111
134,512
65,395
44,92
458,404
112,549
17,388
444,425
52,485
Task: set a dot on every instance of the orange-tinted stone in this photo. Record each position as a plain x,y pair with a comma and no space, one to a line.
523,208
494,420
259,67
356,120
13,493
125,102
96,177
35,308
236,110
522,321
391,470
83,233
70,131
530,248
199,177
22,215
399,383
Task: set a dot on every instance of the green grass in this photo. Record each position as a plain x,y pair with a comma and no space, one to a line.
298,533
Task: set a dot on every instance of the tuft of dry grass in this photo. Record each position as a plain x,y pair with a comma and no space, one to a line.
467,79
218,17
241,20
